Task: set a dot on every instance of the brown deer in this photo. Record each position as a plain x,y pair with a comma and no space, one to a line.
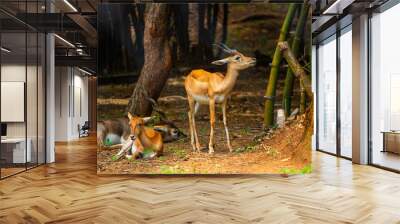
141,137
204,87
114,133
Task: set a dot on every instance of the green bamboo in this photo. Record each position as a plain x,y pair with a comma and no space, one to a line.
271,87
289,80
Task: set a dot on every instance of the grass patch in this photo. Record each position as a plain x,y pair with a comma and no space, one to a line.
110,111
292,171
162,158
115,91
271,151
203,131
164,169
114,158
248,148
178,152
147,153
245,131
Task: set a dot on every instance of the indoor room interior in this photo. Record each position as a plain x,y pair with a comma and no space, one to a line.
48,123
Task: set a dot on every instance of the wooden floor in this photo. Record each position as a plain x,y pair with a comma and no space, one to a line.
69,191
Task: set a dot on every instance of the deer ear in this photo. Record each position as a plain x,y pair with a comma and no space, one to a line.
130,116
161,128
220,62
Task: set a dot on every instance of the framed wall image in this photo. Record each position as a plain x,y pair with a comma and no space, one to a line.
12,101
196,89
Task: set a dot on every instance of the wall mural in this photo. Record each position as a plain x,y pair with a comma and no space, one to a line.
204,89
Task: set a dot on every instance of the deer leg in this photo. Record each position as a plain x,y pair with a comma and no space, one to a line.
193,132
226,126
196,108
190,116
212,123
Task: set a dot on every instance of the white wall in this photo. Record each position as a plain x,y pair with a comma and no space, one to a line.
71,102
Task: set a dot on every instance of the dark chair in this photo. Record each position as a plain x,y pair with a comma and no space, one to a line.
84,130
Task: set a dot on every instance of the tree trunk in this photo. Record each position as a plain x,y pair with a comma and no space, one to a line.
194,32
221,27
289,80
137,19
157,60
205,17
214,22
181,30
276,61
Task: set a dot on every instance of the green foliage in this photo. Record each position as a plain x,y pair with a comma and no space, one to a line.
164,169
292,171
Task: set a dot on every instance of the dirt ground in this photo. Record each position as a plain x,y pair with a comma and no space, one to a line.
284,150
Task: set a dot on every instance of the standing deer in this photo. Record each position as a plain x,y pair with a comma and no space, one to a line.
204,87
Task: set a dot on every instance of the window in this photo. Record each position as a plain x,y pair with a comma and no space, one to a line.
327,95
385,89
22,77
345,42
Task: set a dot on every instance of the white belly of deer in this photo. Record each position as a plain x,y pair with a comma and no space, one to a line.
205,99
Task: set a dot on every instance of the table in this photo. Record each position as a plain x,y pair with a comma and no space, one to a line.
13,150
391,141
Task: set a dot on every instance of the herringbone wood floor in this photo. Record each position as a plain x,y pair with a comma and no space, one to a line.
69,191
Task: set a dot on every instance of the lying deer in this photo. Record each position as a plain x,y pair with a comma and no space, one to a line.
204,87
114,133
141,137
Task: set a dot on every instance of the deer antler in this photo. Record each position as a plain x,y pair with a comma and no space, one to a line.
225,48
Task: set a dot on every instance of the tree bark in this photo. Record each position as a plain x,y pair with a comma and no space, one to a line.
137,20
157,60
289,80
270,92
181,29
194,30
296,67
221,30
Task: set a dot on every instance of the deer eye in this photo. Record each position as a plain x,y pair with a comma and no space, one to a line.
237,58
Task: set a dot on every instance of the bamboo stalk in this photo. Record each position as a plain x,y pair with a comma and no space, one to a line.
289,80
271,87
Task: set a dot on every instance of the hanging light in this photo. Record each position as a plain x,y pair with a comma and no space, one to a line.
64,40
5,50
70,5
